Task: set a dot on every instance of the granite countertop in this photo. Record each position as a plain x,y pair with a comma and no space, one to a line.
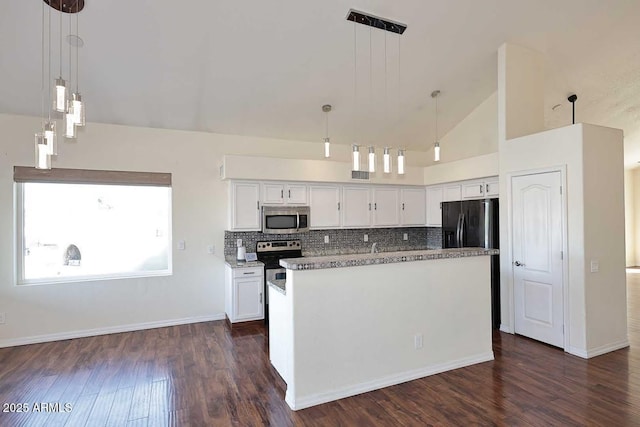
234,263
278,285
352,260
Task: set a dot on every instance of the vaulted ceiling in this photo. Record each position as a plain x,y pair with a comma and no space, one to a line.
265,68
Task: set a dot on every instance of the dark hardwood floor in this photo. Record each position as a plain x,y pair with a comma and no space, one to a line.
206,375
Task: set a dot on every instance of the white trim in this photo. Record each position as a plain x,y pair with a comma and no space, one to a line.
506,328
36,339
565,245
352,390
597,351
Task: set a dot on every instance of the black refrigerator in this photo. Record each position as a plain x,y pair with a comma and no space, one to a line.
474,224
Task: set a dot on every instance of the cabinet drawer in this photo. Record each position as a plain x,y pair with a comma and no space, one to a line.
247,272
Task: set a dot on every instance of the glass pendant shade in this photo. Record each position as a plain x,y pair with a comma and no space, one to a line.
356,158
78,108
327,148
42,157
372,159
51,138
400,162
386,161
70,125
436,152
60,95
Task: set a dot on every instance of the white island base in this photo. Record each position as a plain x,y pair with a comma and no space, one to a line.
338,332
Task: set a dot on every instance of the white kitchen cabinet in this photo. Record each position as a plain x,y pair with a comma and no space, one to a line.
324,202
244,294
244,214
473,190
356,206
386,207
492,188
413,207
434,206
284,194
451,192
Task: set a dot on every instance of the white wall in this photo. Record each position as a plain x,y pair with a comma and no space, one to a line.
195,291
629,217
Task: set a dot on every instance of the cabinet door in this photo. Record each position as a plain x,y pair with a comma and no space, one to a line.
413,208
249,298
324,202
473,190
296,194
386,206
434,207
245,206
492,188
356,207
273,194
452,193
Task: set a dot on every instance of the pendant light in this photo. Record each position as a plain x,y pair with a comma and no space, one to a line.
42,157
436,146
400,162
355,158
60,96
327,141
76,107
355,155
372,159
386,160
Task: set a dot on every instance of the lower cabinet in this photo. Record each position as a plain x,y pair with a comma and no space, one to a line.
244,294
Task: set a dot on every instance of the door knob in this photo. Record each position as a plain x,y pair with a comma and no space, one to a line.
519,264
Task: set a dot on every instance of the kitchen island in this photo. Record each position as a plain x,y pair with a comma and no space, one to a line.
347,324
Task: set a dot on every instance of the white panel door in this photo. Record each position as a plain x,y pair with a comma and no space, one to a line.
245,206
296,194
356,207
537,257
413,208
273,194
434,206
249,298
324,202
386,206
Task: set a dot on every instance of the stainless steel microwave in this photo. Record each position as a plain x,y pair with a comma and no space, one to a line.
285,219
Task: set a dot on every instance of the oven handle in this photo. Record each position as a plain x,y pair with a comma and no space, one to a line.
297,221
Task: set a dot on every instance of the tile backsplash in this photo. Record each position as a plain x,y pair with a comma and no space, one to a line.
344,241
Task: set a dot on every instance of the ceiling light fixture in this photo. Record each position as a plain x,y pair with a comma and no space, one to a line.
386,160
372,159
400,162
436,147
327,141
355,158
57,99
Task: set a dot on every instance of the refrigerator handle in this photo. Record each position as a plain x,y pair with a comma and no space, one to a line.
458,230
462,232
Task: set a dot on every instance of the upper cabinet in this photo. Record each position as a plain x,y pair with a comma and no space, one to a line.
434,206
451,192
275,193
386,206
324,203
413,207
481,188
492,187
244,202
356,206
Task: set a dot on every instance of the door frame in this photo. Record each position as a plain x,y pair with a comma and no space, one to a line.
565,254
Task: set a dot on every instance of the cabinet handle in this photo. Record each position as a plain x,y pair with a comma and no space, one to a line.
369,206
375,206
282,194
481,189
487,186
338,205
258,204
403,206
260,297
249,272
289,193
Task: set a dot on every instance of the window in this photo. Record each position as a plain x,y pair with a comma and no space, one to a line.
84,225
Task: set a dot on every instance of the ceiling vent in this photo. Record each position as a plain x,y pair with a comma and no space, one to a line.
359,175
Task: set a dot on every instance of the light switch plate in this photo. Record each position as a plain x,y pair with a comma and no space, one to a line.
182,245
326,239
366,237
405,236
595,266
211,249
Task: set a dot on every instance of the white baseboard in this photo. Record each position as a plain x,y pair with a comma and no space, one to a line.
12,342
597,351
506,328
352,390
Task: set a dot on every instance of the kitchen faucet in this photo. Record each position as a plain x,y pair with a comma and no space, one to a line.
373,247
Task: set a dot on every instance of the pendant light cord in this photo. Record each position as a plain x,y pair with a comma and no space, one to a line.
370,74
437,117
355,82
77,54
42,68
61,39
49,62
70,59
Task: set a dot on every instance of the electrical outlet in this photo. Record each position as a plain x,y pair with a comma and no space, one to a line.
211,249
326,239
417,341
405,236
2,318
182,245
238,243
366,237
595,265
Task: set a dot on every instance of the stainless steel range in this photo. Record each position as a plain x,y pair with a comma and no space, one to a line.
270,253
